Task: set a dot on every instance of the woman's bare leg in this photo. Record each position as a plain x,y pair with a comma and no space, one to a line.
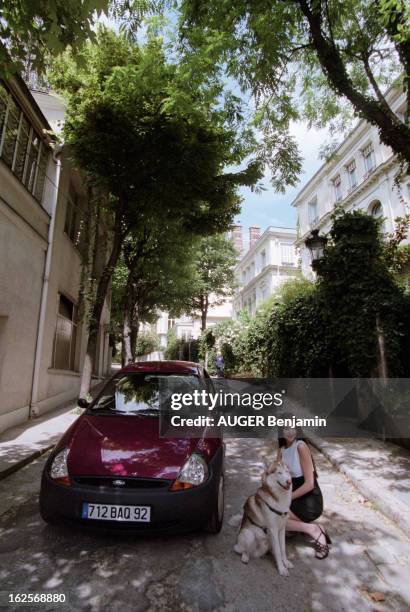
295,524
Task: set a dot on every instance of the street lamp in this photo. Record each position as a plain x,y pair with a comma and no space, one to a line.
316,245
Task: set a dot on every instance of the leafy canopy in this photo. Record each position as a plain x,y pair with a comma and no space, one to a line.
319,60
214,280
158,146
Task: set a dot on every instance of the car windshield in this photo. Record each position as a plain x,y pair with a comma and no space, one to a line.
143,392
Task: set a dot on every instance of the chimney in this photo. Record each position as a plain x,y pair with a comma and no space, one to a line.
237,238
254,235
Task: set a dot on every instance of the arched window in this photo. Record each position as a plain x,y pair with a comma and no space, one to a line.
376,209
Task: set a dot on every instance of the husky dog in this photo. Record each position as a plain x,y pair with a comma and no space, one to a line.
264,518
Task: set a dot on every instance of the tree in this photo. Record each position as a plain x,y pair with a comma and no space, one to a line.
215,279
308,59
33,30
157,147
155,273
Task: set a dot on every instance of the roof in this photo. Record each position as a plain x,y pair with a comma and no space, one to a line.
166,367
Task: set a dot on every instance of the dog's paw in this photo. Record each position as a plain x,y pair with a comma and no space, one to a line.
283,571
288,564
245,558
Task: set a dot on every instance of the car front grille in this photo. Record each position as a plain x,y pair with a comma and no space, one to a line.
122,483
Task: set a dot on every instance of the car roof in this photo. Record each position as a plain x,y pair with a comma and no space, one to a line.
167,367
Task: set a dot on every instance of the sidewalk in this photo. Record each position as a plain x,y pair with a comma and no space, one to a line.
22,444
379,470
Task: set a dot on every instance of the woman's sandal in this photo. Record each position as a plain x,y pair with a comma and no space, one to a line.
322,550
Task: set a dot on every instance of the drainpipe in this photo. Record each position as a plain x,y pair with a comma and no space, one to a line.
33,409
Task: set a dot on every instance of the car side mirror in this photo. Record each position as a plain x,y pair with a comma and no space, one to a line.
82,402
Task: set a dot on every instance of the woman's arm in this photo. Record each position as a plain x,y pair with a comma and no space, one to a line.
307,469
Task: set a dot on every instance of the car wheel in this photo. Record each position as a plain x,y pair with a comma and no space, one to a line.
215,521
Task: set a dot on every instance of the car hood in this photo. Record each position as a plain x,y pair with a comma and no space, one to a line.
125,446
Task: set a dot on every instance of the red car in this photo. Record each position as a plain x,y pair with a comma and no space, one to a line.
112,468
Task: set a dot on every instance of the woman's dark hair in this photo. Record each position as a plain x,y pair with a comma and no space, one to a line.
299,431
300,435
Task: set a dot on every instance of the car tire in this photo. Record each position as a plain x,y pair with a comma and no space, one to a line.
214,524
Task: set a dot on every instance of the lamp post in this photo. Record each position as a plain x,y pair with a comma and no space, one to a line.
316,245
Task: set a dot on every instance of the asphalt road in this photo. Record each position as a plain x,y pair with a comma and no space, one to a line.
367,570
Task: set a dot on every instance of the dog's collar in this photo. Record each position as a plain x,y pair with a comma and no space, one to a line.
274,509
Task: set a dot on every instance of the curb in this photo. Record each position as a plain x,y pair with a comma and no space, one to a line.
23,462
388,505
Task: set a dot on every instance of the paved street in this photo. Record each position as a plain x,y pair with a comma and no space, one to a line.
368,567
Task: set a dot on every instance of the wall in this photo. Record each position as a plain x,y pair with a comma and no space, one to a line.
23,243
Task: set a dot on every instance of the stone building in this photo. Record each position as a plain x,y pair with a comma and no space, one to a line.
42,202
270,261
361,175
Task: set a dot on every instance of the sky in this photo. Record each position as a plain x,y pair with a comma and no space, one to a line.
270,208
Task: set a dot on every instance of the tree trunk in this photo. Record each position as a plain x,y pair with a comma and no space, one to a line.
392,131
134,336
126,339
204,312
101,294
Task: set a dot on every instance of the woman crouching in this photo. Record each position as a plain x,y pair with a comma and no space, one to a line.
307,500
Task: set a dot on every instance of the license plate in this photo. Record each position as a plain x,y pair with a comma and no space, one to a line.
108,512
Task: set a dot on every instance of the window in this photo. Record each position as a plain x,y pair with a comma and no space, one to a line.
171,323
313,212
21,150
287,254
252,269
337,186
186,334
11,130
3,110
73,220
65,335
376,210
147,392
21,147
369,160
351,172
263,260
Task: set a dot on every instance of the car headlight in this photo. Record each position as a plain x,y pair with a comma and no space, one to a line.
193,473
59,468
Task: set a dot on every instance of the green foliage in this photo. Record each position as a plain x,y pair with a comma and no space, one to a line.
157,146
174,345
330,327
30,30
147,342
324,62
360,298
214,279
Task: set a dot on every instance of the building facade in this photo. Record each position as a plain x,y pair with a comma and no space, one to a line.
361,175
42,200
187,327
270,261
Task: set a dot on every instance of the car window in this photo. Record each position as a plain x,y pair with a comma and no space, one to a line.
143,392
